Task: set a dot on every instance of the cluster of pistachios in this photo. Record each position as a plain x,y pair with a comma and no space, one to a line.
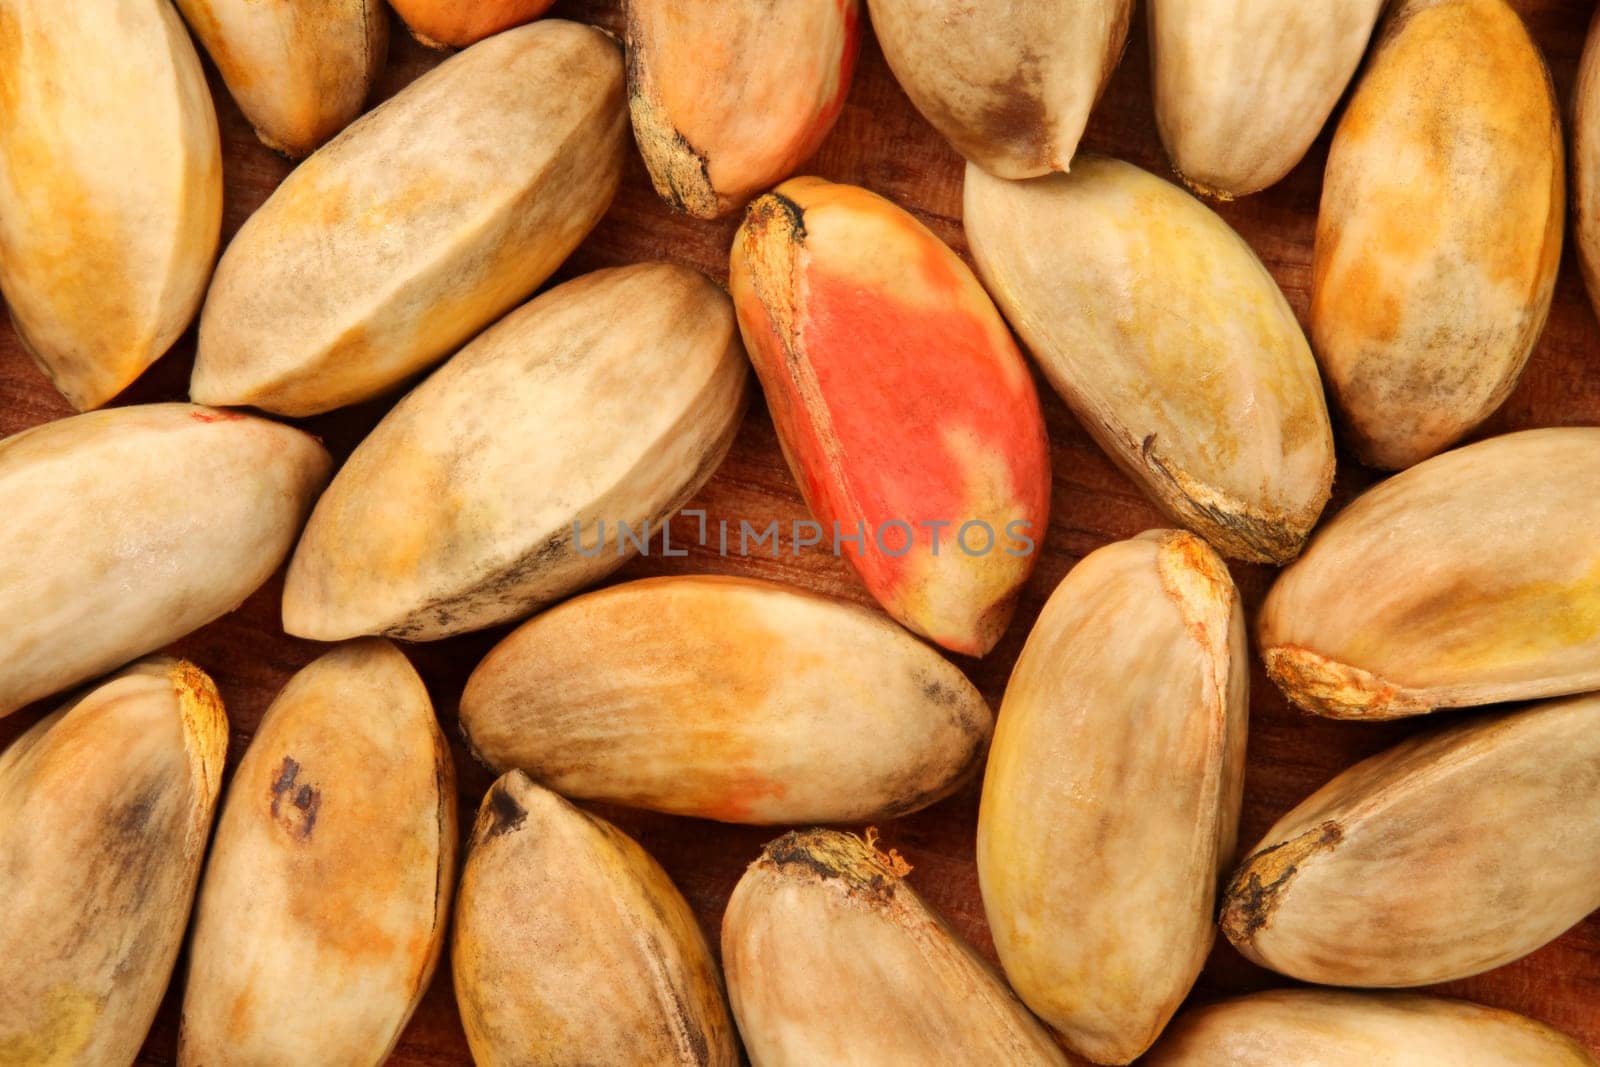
414,238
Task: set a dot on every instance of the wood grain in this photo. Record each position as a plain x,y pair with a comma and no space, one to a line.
882,144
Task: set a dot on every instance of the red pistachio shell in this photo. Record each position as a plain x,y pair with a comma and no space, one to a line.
458,23
901,402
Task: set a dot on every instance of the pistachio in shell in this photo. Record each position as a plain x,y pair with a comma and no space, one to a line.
131,527
728,99
1328,1026
111,192
1586,162
1242,87
415,228
105,807
902,404
325,899
727,698
1472,578
299,72
833,958
1440,229
1444,857
504,482
1170,341
444,24
1010,84
1107,863
571,945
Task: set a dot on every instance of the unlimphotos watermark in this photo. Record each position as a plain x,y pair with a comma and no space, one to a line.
893,537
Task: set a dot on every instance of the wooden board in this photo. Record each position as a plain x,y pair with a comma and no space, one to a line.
881,143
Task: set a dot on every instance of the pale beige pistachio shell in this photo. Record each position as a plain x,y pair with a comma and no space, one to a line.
419,225
105,807
1099,871
128,528
572,946
727,698
1331,1028
300,72
110,187
1473,578
1242,87
832,958
1010,83
325,899
1170,341
730,98
1440,229
1586,161
1441,858
498,485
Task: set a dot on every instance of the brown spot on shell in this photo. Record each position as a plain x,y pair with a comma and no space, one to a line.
295,803
1252,896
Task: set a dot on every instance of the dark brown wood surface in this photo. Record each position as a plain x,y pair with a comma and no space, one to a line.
883,144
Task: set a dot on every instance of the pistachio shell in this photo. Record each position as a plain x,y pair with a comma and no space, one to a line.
1116,280
105,807
611,400
299,72
459,23
1242,87
728,99
1473,578
1441,858
325,899
1440,228
1328,1028
1010,83
1586,162
572,945
902,404
832,958
419,225
1107,863
727,698
127,529
110,190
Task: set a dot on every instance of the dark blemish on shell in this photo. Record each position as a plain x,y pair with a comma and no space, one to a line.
1251,901
294,803
505,814
777,209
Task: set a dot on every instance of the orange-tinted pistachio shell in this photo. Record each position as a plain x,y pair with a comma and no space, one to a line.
1472,578
416,227
128,528
832,958
458,23
1586,161
1242,87
325,899
1330,1028
105,807
901,402
612,399
1010,83
571,945
110,187
727,698
1441,858
1171,342
300,72
1099,870
1440,228
730,98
